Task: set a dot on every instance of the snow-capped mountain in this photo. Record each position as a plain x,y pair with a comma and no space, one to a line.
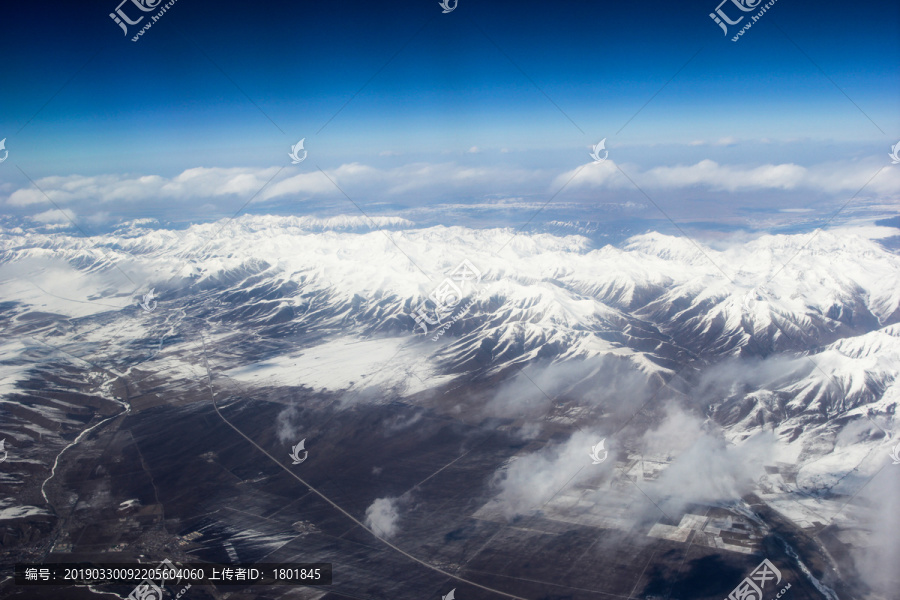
658,296
698,364
310,292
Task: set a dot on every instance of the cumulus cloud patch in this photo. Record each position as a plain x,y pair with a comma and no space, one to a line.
702,468
706,468
287,425
55,217
199,182
382,516
530,481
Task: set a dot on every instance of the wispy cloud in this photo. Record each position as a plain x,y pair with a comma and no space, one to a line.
530,481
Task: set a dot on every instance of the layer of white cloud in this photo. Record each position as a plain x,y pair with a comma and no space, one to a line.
54,216
829,178
420,179
203,183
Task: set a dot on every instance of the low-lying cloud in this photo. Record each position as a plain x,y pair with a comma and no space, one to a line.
611,384
703,468
712,471
287,425
528,482
382,517
877,561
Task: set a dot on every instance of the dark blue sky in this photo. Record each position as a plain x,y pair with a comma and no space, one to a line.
234,84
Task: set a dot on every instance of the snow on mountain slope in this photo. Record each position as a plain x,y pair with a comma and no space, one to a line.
833,411
298,283
860,368
837,379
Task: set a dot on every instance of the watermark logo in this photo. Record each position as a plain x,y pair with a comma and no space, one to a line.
295,452
6,152
749,300
450,596
148,299
459,315
123,20
294,154
895,454
596,450
752,297
3,450
751,588
895,153
595,154
723,20
148,589
447,296
445,4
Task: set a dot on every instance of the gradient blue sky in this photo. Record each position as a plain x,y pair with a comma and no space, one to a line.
204,85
